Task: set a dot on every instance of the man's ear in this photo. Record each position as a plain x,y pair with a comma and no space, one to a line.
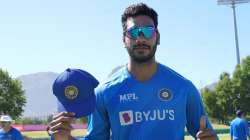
124,42
123,38
158,37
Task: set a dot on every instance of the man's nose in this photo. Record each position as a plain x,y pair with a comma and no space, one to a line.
141,34
141,37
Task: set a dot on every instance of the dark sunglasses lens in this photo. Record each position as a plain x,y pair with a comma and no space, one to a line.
133,33
148,32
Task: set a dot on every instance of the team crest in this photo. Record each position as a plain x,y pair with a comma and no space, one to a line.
71,92
165,95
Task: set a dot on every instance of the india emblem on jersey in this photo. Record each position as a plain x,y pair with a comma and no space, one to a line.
165,94
126,117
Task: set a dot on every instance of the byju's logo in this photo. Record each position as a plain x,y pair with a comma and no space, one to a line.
126,117
129,117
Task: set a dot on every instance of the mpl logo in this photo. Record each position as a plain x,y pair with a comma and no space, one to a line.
126,117
128,97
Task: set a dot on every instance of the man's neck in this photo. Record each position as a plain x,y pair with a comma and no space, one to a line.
142,71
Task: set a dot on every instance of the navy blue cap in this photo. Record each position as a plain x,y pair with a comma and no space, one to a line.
74,89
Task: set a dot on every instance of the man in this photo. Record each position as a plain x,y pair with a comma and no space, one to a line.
143,100
7,132
239,127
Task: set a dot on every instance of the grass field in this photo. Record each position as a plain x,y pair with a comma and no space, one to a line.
82,132
43,134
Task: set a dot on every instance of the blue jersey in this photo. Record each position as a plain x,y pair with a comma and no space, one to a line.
239,129
159,108
13,134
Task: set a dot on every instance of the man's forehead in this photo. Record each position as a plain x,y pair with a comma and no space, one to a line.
139,21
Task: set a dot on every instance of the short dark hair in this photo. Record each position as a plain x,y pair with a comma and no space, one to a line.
136,10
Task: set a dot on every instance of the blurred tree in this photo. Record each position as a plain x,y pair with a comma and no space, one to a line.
12,99
229,94
210,101
224,92
241,85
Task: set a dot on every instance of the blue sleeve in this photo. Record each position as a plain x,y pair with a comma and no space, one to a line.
98,123
18,135
194,110
231,129
246,128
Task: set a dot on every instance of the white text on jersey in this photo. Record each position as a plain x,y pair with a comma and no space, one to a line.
128,97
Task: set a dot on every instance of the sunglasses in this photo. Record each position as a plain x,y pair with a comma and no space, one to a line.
135,32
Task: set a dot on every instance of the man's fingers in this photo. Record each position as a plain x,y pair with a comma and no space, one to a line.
207,138
66,114
63,119
61,126
203,123
59,132
204,133
61,123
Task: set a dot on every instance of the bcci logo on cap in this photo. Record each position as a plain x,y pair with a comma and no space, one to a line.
71,92
165,95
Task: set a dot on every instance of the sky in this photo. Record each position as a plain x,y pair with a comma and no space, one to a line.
197,37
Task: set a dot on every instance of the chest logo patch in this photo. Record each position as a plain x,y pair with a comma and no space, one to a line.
126,117
165,94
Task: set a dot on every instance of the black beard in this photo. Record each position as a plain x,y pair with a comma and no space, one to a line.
144,59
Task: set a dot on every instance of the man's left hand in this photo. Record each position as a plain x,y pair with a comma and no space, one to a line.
205,133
